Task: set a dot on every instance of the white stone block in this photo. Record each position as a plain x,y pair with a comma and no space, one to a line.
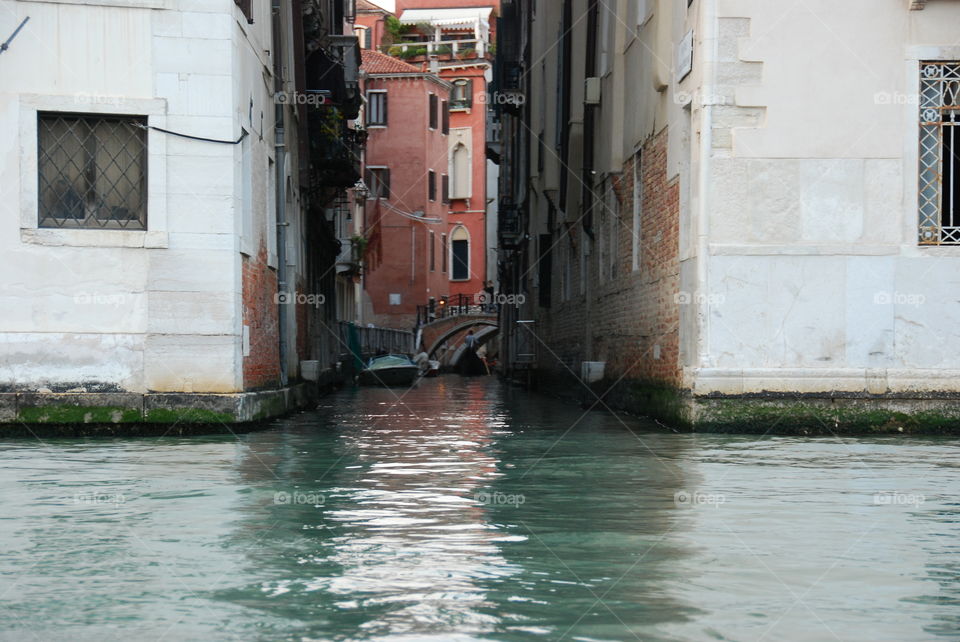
192,55
774,200
187,363
207,25
192,312
870,312
831,200
200,214
44,357
200,176
193,270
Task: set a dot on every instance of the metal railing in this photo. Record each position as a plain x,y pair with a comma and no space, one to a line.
454,48
361,343
452,306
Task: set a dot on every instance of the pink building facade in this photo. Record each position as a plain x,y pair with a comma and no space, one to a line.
407,255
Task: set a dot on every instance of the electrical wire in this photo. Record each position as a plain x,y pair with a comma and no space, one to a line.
201,138
411,215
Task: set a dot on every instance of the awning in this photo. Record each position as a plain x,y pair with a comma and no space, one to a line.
467,17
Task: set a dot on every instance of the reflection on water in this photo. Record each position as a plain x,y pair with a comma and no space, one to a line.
466,510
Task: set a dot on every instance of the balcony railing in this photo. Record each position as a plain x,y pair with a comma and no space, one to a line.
447,49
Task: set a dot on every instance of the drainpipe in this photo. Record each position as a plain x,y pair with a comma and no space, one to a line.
710,48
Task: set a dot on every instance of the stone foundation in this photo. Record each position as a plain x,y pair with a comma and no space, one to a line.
773,413
133,414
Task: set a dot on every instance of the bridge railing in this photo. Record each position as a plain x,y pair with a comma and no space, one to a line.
365,342
452,306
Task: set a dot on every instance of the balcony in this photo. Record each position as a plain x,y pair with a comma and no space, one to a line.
335,150
443,50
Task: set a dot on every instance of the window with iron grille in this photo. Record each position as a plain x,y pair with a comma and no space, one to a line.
939,188
434,114
377,108
92,171
378,182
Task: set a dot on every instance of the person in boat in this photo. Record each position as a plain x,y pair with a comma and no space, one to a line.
422,359
470,341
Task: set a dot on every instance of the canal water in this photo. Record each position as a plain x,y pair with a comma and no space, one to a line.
467,510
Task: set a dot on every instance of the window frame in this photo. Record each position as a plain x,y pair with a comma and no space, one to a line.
377,94
443,253
46,220
453,261
434,113
156,235
466,101
370,172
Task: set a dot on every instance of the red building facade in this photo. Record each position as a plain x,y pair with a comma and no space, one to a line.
449,40
406,258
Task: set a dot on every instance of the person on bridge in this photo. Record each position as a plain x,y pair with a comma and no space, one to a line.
490,300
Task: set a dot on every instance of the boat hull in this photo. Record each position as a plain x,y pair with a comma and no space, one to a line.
389,377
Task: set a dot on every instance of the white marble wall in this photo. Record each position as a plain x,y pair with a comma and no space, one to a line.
814,279
156,310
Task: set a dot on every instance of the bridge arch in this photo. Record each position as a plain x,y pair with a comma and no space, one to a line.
464,323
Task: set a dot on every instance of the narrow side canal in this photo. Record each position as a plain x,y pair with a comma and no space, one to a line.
466,510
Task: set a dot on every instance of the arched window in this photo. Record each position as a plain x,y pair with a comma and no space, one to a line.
460,254
460,171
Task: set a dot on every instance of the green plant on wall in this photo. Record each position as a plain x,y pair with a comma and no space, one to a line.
359,245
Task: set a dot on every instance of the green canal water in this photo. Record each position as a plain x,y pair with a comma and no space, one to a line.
466,510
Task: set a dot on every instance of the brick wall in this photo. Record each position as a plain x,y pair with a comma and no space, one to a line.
261,368
629,320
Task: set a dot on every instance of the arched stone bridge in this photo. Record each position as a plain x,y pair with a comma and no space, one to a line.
452,329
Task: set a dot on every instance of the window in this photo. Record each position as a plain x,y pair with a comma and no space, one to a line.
378,182
443,253
444,188
462,96
92,171
460,254
368,38
434,114
445,113
432,185
377,108
462,174
433,252
939,189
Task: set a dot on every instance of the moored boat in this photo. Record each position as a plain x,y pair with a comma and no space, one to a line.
389,370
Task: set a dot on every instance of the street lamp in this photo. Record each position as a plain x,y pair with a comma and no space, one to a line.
360,192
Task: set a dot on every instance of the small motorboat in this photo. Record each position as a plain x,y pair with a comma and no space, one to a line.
389,370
